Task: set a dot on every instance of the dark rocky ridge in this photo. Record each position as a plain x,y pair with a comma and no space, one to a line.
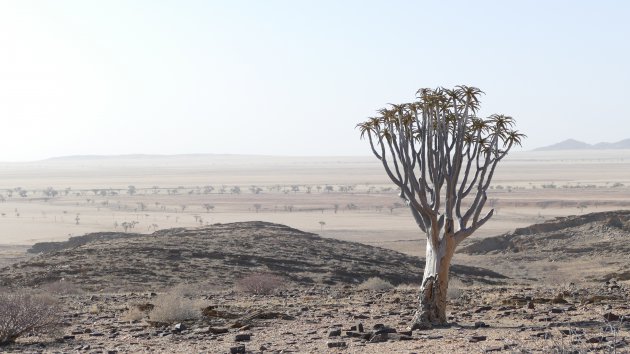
218,254
588,231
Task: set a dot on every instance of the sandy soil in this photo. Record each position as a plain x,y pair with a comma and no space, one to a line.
587,179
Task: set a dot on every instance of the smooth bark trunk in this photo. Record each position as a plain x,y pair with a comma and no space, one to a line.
432,298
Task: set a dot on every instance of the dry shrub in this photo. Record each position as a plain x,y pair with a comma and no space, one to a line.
174,307
376,284
23,313
133,314
455,289
61,287
260,284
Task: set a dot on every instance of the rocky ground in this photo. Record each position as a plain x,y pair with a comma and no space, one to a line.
178,291
345,319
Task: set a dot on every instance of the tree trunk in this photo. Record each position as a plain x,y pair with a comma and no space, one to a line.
432,297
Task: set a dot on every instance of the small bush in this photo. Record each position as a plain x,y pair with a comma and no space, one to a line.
22,313
174,307
260,284
62,287
376,284
133,314
455,289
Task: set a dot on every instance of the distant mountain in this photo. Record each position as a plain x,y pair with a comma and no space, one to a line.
569,144
623,144
572,144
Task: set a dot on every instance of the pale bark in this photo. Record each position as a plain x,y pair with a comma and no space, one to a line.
432,298
438,153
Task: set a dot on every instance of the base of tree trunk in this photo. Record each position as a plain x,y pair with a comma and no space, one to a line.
431,309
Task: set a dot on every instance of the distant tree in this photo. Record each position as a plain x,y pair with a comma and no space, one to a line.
255,189
336,208
235,190
207,189
321,225
257,207
208,207
582,206
50,192
131,190
438,152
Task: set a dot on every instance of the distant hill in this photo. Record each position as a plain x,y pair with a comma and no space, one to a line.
219,254
572,144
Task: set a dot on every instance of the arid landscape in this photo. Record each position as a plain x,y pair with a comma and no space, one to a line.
550,272
252,177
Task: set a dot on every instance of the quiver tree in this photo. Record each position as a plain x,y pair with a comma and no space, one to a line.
442,157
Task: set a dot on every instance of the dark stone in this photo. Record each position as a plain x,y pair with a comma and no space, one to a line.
475,339
242,337
378,338
530,305
611,317
334,333
571,331
378,326
557,310
359,326
354,334
598,339
179,327
336,344
238,350
218,330
481,324
483,309
406,333
384,330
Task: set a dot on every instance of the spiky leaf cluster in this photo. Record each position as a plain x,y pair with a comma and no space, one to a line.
439,148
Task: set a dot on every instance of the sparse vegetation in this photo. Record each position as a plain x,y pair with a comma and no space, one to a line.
22,313
172,307
260,284
376,284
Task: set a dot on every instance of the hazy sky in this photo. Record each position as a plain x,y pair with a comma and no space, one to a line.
294,77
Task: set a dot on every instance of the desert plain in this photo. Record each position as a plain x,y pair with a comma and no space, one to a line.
548,289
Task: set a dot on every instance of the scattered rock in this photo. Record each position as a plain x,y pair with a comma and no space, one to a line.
242,337
483,309
609,316
334,333
238,349
481,324
339,344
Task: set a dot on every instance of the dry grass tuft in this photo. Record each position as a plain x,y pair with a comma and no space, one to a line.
61,287
376,284
174,307
260,284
